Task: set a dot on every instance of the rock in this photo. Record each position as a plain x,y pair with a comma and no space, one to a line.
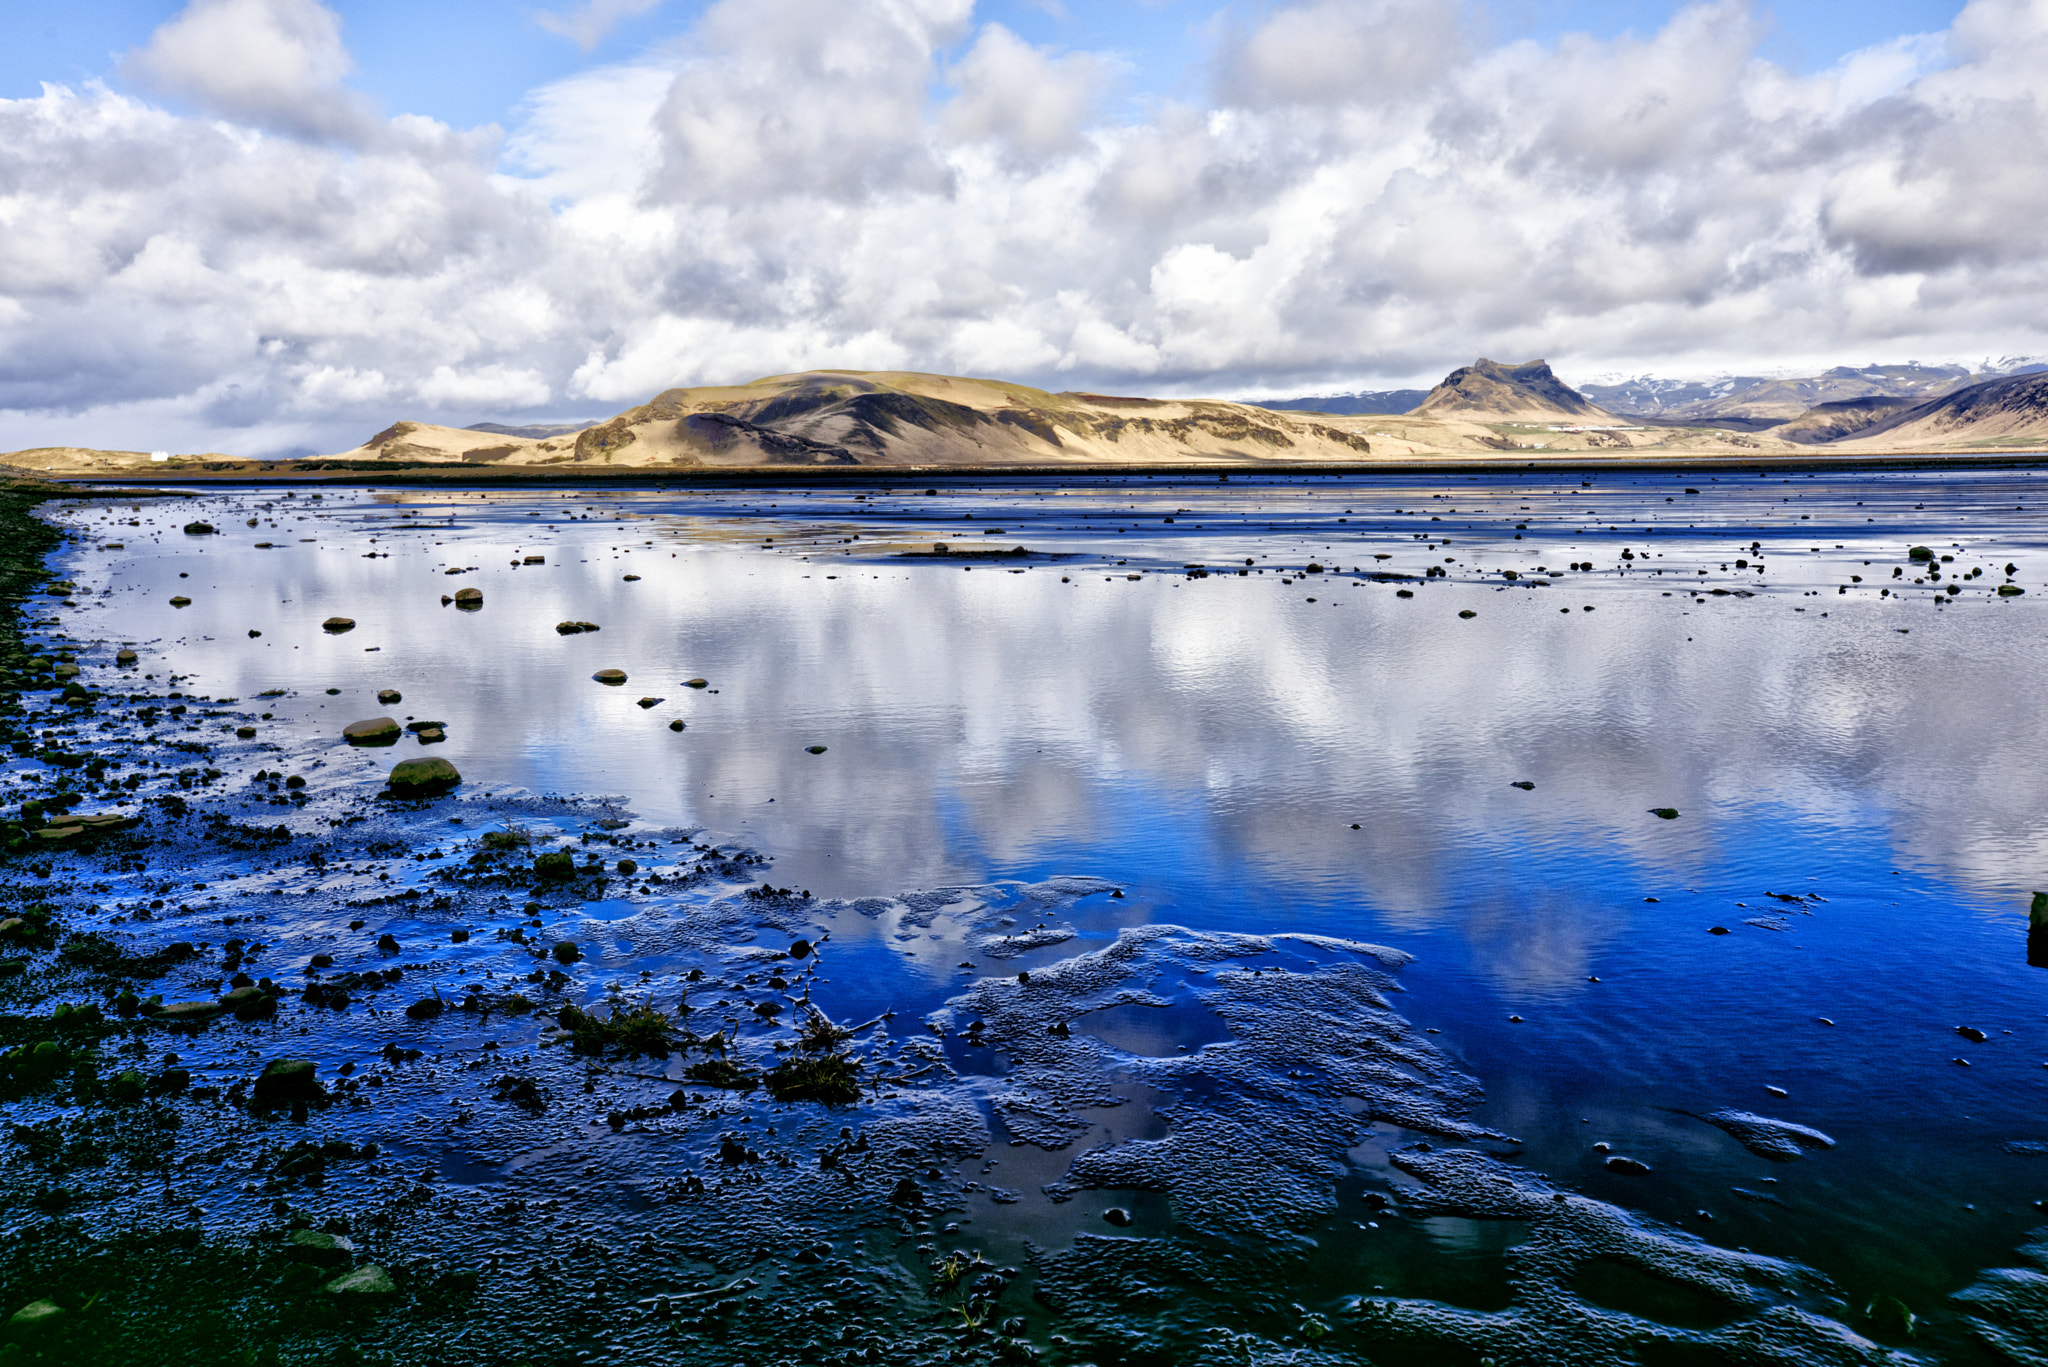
129,1086
1632,1166
1667,813
249,1003
800,949
319,1248
337,625
188,1011
629,867
422,777
375,731
610,677
650,702
181,602
199,529
1920,553
534,560
814,749
1717,930
389,697
1972,1034
367,1280
418,726
35,1318
125,657
2010,590
288,1079
469,600
426,1008
572,628
676,725
558,864
567,952
245,733
1118,1216
696,683
1524,784
430,735
632,579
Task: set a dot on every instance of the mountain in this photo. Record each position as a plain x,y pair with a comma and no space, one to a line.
1363,402
1825,422
1486,391
1758,400
874,418
533,431
2008,412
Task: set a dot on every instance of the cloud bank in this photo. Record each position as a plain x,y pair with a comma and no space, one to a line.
262,262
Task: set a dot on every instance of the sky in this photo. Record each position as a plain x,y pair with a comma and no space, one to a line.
274,226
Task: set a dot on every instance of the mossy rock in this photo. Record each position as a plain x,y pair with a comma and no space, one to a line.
423,777
288,1079
374,731
559,864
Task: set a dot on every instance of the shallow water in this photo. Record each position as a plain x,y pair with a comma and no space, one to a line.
1244,749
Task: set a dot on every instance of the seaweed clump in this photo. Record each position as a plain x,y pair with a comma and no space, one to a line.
633,1031
821,1070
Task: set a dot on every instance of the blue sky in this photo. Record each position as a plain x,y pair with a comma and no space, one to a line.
471,62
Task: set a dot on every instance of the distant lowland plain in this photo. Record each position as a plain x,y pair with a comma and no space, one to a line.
1483,413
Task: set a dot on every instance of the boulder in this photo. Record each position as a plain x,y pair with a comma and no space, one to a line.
422,778
319,1248
287,1080
375,731
611,677
366,1281
337,625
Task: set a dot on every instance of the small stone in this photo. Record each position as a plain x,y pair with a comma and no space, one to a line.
1667,813
650,702
367,1280
1467,612
181,602
696,683
422,777
338,625
628,867
375,731
1524,784
567,952
390,697
1972,1034
814,749
125,657
245,733
611,678
676,725
632,579
1717,930
199,529
253,633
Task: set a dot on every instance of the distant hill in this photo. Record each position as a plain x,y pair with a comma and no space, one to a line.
1487,391
1825,422
533,431
1380,401
2006,412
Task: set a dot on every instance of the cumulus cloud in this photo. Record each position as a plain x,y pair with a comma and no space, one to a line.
276,63
1366,192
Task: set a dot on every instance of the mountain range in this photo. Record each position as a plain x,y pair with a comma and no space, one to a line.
907,420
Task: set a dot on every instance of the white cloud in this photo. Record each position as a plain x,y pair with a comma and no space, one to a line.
277,63
1366,193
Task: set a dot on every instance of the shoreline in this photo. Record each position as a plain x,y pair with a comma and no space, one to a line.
257,473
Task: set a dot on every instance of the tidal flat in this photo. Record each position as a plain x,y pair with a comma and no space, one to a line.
1494,918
